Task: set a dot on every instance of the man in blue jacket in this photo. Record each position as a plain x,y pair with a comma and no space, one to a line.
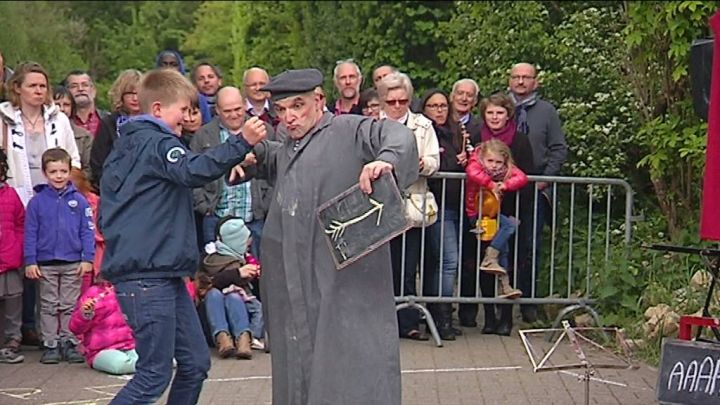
147,220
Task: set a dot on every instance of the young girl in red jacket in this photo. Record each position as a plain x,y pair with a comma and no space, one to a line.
12,223
491,169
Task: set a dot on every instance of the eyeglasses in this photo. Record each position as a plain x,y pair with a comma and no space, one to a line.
373,106
396,103
521,77
83,85
437,106
130,93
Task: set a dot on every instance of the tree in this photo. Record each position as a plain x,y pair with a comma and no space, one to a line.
658,36
52,41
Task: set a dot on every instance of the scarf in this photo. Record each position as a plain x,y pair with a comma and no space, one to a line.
226,250
496,175
120,121
521,108
505,135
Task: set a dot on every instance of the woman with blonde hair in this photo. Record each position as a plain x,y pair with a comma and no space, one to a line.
123,105
30,124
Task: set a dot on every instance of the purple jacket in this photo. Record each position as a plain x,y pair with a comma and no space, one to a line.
59,226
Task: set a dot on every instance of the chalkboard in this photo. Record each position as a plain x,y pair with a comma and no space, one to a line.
355,224
689,373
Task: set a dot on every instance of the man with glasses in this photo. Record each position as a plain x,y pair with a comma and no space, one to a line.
347,78
82,87
463,98
257,103
540,121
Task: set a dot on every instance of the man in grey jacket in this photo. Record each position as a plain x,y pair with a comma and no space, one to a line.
540,121
248,201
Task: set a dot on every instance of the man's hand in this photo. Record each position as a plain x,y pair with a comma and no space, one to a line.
254,130
236,174
371,172
250,160
84,268
33,272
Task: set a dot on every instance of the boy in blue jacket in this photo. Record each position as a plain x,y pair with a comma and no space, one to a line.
59,249
146,217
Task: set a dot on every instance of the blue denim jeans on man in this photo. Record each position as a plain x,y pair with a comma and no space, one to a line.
166,326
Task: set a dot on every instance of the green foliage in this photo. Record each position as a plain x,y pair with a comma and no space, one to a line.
52,41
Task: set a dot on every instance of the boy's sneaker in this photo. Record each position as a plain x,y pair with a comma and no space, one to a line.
70,353
51,356
10,353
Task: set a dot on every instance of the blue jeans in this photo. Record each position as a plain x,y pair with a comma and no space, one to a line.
166,326
449,226
226,313
500,241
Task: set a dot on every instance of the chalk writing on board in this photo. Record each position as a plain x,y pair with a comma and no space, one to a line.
689,373
337,228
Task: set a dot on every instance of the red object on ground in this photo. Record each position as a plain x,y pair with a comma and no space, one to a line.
710,216
687,322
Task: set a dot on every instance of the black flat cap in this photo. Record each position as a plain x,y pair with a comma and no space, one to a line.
293,82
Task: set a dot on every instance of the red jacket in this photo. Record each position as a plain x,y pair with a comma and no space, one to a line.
12,224
105,328
478,178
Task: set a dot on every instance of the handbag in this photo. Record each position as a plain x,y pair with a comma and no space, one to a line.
414,204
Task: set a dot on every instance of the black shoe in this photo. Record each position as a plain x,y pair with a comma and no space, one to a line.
468,323
529,313
71,355
457,332
490,328
51,356
504,326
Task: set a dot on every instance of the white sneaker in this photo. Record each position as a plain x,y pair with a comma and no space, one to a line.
257,344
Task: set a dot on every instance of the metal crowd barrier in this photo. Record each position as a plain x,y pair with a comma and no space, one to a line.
589,219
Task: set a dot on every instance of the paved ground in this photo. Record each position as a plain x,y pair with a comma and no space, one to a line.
475,369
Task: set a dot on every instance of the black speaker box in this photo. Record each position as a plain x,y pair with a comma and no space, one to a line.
701,59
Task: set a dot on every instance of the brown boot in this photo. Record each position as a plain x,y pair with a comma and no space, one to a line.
505,290
243,346
224,344
490,262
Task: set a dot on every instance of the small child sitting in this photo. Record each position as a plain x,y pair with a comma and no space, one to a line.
493,169
234,314
107,340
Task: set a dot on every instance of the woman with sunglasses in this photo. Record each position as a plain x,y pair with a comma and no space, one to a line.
395,92
124,104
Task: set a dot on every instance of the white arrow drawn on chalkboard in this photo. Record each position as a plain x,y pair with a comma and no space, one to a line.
337,228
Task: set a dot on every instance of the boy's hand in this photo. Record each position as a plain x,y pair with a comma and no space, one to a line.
249,271
33,272
254,130
250,160
84,268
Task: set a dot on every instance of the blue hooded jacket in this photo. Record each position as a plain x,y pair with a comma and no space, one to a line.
146,212
59,226
202,99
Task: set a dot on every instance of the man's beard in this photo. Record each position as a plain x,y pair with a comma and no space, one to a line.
83,101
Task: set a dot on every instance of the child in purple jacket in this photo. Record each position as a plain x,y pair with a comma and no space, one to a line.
59,250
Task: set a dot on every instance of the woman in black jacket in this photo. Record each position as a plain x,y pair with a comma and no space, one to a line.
501,127
446,232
